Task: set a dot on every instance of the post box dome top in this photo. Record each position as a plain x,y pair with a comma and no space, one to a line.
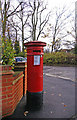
34,43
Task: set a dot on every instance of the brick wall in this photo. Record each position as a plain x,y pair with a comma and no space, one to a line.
12,90
0,93
22,66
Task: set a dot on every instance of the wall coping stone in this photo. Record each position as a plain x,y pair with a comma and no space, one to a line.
17,79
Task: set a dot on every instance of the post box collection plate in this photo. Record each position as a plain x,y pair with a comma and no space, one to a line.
36,59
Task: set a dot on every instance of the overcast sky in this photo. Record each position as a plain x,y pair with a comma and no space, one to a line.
56,3
52,3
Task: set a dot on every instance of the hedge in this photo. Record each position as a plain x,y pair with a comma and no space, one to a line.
59,58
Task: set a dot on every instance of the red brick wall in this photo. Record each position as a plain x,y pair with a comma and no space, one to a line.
12,90
0,93
22,66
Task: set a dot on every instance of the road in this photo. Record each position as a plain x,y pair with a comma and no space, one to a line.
59,87
58,97
67,73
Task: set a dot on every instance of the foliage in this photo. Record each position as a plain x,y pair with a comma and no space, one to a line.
7,53
20,54
76,48
16,46
57,58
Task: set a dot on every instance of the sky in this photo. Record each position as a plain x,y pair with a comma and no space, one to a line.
53,3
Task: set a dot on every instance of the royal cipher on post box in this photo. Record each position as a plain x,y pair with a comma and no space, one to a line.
35,73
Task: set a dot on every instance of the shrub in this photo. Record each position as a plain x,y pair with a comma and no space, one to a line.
7,52
59,58
21,54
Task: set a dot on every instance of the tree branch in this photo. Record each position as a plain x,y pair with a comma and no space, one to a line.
14,10
43,27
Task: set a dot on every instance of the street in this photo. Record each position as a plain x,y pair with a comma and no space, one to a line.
59,91
58,97
67,73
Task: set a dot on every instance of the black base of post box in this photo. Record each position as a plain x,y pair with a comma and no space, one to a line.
34,100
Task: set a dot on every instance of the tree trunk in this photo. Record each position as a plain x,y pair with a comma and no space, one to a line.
4,25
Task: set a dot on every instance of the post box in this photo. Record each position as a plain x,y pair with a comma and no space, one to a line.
35,73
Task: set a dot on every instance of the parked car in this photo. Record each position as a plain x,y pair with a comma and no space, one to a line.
20,59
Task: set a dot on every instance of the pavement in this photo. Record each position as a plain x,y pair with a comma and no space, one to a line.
59,98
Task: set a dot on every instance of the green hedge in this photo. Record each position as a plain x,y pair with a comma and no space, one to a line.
59,58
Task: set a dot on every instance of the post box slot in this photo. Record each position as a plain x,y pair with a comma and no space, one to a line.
36,50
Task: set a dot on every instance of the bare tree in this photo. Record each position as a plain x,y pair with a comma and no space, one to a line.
23,18
12,30
5,14
57,28
71,32
37,19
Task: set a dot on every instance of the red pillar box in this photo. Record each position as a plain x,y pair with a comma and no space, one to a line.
35,73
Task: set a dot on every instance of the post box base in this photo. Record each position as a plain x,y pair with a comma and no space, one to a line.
34,100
